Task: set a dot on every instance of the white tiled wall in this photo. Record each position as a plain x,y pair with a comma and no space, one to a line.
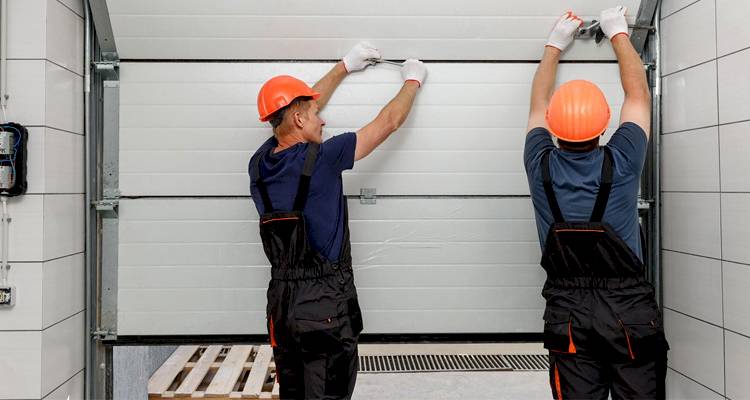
706,196
42,336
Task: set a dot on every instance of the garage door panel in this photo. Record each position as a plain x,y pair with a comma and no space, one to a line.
455,321
513,74
364,93
208,276
452,298
405,276
275,27
176,323
376,321
192,133
293,29
195,299
201,258
362,231
335,7
446,275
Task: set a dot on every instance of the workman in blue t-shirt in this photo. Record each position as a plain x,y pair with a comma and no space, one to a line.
602,325
314,319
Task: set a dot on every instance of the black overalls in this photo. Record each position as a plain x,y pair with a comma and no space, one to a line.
602,326
314,318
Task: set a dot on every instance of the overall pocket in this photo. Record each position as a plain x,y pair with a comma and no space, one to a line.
318,326
558,330
642,333
355,315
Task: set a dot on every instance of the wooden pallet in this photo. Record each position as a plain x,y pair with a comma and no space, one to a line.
216,372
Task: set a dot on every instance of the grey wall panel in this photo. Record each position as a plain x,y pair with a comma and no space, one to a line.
682,30
196,266
690,161
691,223
690,99
294,29
734,84
735,218
736,301
681,388
696,349
734,160
692,285
738,363
732,33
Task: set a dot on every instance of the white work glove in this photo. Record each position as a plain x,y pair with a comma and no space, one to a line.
613,22
564,31
357,57
413,70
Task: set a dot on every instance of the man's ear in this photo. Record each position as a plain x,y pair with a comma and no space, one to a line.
297,117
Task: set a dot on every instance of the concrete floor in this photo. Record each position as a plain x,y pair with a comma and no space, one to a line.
453,385
460,385
133,365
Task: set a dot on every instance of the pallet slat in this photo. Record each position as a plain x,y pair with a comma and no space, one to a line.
226,377
162,379
259,373
194,379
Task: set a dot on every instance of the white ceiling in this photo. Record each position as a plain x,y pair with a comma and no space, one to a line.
326,29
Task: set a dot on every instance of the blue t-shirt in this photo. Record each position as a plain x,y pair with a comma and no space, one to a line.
576,177
325,210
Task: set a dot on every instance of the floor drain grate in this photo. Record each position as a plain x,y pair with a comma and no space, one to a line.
528,362
432,363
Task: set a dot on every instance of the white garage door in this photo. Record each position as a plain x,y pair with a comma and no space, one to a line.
451,246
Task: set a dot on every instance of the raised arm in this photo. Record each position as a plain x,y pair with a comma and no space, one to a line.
636,107
542,87
355,60
393,115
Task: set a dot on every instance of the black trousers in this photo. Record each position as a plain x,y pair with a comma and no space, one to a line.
314,326
578,376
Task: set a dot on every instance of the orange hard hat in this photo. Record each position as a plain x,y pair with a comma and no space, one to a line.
578,111
278,92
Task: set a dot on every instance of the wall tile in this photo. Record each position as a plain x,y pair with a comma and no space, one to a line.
735,140
62,352
689,99
690,161
65,31
64,99
697,349
691,223
734,86
735,224
20,367
688,37
27,313
63,225
63,288
692,285
738,363
733,31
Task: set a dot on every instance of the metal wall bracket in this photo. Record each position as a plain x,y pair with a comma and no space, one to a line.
644,204
108,205
104,335
367,196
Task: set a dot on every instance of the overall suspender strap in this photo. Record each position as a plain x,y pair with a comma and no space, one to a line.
605,187
549,190
304,181
255,172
